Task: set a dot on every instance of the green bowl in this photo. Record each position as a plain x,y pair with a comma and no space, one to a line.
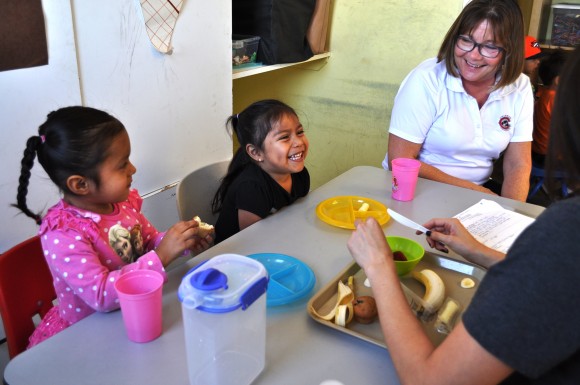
412,250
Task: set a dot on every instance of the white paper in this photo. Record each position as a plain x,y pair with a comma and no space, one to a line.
493,225
160,17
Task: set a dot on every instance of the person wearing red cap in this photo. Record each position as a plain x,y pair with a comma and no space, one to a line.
532,54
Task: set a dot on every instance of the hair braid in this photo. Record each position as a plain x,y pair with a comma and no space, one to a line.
26,165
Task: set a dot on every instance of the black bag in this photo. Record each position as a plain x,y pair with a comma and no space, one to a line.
281,25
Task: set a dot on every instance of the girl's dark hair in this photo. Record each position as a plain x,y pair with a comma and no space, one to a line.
564,143
251,126
73,141
506,22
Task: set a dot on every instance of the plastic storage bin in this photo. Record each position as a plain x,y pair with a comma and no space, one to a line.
566,25
244,49
224,316
281,24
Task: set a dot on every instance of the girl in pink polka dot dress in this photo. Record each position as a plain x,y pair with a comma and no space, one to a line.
96,232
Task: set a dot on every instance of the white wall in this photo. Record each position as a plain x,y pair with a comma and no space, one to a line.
26,96
174,106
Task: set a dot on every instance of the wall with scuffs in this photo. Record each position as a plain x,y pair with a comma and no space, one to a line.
345,103
100,56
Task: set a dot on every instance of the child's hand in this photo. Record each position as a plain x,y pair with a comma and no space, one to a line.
204,237
203,244
180,237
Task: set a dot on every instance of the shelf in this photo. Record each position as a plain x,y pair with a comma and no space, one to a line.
250,71
555,47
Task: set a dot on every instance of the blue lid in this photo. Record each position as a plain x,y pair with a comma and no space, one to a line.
290,278
209,279
223,284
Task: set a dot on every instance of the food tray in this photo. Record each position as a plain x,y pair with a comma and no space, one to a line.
451,272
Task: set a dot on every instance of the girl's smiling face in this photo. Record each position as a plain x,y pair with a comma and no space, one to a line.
284,148
473,67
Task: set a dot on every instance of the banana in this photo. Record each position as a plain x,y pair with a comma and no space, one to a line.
344,298
344,314
434,288
467,283
447,316
449,311
364,207
350,283
345,311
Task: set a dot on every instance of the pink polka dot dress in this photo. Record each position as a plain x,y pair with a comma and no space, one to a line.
86,252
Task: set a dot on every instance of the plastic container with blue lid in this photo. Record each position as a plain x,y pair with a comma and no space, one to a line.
224,316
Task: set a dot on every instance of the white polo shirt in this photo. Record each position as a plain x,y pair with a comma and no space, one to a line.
458,137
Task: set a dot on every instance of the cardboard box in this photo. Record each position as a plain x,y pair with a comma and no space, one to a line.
566,25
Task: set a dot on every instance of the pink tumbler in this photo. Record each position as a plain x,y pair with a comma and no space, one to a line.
405,173
140,295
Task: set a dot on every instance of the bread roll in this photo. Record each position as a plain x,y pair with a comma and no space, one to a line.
204,228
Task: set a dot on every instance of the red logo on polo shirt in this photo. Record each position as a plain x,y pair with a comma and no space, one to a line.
505,122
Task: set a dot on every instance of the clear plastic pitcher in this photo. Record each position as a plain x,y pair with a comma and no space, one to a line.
223,303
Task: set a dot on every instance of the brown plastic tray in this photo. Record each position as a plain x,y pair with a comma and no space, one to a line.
450,270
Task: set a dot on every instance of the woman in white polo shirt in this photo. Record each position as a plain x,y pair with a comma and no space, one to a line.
459,112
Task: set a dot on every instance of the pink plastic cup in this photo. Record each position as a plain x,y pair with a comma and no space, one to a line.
140,295
405,174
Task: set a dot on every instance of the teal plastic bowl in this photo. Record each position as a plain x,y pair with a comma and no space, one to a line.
412,250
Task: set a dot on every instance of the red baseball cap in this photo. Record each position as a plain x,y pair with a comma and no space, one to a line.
531,48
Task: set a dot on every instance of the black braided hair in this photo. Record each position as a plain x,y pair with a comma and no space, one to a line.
26,165
73,141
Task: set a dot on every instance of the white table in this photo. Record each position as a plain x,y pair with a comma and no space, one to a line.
298,349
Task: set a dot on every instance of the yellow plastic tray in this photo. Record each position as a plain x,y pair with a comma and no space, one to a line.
342,211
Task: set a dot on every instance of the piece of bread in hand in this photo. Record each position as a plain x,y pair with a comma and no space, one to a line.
204,228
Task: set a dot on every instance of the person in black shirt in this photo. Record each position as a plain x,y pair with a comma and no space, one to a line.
267,172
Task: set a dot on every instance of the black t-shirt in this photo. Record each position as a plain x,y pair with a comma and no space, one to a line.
526,311
255,191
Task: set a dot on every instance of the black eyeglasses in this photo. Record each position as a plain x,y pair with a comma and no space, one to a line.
491,51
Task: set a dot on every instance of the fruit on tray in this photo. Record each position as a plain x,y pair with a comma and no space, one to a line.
365,309
448,312
342,312
447,316
345,311
434,288
467,283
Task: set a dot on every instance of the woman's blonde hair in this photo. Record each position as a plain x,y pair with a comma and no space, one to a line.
506,23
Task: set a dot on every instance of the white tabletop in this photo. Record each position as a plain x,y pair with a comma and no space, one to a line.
298,349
